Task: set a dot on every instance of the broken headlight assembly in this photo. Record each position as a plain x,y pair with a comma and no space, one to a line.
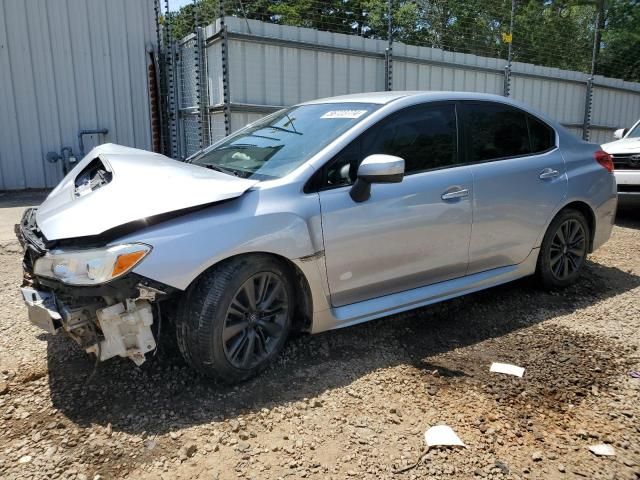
92,266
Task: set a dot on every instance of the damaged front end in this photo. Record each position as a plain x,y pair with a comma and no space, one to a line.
91,294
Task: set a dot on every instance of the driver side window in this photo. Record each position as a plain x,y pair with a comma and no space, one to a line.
425,136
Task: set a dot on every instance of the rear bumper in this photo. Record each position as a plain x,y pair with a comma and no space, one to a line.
628,182
627,177
628,187
605,217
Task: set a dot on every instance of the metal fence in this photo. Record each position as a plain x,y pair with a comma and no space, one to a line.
238,69
184,91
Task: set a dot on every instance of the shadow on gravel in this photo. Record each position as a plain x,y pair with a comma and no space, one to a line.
628,216
24,198
166,395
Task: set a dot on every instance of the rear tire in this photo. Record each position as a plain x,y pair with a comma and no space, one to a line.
234,320
564,250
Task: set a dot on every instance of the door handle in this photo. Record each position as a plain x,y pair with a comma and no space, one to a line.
462,193
548,173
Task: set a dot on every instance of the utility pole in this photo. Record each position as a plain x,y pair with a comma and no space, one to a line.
388,54
586,123
600,23
509,39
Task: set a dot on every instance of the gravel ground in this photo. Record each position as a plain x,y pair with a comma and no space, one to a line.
350,403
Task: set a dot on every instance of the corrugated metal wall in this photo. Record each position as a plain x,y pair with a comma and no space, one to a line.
273,65
67,65
615,105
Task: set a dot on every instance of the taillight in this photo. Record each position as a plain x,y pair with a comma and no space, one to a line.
604,159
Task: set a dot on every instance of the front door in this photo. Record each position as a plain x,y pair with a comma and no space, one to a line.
406,235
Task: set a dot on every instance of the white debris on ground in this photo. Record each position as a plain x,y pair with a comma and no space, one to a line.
442,436
507,369
603,450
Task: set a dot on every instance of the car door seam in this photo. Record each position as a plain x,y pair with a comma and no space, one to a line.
473,207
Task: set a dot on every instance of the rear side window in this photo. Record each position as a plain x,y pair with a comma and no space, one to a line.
495,131
542,135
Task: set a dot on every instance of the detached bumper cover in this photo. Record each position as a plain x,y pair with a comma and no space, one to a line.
42,309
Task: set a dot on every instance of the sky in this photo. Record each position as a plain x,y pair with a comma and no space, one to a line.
177,4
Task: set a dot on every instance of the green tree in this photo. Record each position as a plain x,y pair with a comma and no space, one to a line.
620,49
556,33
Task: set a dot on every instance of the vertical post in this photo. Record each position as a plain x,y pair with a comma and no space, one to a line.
588,103
507,69
175,99
160,78
388,53
204,91
170,53
224,49
197,72
586,123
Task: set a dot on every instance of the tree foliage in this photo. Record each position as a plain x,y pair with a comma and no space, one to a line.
556,33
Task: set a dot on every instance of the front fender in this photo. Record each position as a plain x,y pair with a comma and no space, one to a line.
259,221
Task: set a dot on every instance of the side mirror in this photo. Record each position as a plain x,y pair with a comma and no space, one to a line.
618,134
377,168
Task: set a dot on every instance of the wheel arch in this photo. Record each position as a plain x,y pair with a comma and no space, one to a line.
586,210
303,313
589,215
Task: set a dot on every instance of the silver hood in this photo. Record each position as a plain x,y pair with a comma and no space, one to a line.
132,185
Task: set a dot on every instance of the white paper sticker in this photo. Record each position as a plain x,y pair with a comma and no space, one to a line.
507,368
344,114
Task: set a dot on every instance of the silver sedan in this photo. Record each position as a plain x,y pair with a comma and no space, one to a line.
320,216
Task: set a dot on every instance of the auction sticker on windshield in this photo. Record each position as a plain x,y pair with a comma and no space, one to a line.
344,114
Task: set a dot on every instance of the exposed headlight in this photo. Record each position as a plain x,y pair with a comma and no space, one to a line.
91,267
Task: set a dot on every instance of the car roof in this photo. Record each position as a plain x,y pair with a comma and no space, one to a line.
420,96
382,98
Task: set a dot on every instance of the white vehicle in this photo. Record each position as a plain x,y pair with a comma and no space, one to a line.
625,151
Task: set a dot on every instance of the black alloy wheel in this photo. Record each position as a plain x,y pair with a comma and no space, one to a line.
568,249
255,320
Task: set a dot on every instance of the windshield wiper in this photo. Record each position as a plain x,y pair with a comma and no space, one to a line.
275,127
263,136
290,122
218,168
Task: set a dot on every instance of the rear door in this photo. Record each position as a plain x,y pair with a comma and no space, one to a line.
519,179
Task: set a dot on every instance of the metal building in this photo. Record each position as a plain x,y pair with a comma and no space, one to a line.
67,66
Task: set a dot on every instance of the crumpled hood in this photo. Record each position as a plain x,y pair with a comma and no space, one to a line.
138,185
626,145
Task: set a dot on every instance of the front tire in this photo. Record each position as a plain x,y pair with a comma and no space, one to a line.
564,250
234,320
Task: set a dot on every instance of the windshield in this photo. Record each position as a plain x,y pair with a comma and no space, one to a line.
276,145
635,132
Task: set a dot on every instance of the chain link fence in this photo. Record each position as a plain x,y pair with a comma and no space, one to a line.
189,114
577,37
183,89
